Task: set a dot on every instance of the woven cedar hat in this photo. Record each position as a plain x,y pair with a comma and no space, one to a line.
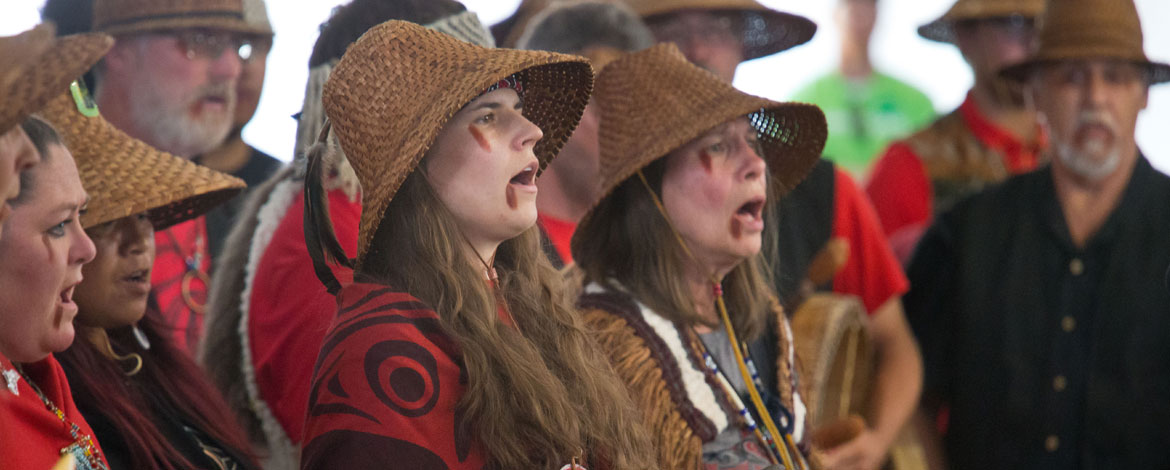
37,66
399,84
1090,29
138,16
942,29
655,101
766,31
125,176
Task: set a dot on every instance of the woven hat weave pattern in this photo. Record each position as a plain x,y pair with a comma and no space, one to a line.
1091,29
38,66
399,84
766,31
942,29
140,16
125,176
654,101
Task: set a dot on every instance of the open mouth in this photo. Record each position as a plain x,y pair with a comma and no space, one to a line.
141,276
753,209
527,176
66,295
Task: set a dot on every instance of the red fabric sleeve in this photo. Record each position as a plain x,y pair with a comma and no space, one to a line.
900,190
385,390
290,310
871,273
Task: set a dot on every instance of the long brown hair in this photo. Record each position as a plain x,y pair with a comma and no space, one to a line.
537,394
628,240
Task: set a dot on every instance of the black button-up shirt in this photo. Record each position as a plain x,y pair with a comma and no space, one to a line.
1048,355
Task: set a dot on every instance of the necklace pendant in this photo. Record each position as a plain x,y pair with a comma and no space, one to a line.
12,378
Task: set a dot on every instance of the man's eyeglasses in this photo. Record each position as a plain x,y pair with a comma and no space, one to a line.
197,44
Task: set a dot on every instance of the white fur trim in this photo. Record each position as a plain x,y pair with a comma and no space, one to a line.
694,380
283,454
799,413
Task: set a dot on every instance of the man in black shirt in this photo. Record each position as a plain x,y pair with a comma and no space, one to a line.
1038,304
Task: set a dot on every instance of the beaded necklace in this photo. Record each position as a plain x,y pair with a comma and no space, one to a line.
83,447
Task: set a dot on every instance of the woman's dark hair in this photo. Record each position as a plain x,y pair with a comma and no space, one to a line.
42,136
168,380
350,21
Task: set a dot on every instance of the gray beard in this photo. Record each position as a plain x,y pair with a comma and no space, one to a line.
1084,165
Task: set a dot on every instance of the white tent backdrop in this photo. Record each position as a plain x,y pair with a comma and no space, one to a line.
936,69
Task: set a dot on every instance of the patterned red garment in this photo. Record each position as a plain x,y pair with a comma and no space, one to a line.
385,389
175,248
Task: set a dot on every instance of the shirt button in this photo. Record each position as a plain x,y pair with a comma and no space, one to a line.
1052,443
1059,383
1076,266
1068,324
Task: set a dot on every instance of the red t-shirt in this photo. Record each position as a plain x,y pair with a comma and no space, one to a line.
560,233
871,272
175,248
290,310
31,436
902,192
385,389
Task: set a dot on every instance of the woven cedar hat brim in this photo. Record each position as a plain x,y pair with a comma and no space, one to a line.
942,29
766,31
140,16
399,84
125,176
38,67
654,101
1090,29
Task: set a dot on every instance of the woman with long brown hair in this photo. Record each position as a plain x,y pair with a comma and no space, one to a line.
455,347
670,257
148,403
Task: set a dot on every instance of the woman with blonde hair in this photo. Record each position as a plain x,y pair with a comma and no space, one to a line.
455,347
670,256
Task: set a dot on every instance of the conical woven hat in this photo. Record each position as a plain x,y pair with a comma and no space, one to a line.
766,31
1090,29
654,101
36,67
137,16
125,176
942,29
399,84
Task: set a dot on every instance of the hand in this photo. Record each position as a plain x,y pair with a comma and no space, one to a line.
867,451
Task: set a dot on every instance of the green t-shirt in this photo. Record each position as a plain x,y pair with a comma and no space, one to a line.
865,116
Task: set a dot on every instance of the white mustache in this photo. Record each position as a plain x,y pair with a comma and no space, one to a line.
218,90
1097,118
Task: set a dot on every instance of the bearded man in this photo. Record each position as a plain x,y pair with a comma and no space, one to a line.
1039,303
990,137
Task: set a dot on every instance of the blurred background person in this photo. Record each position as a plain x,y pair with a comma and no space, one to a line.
1039,302
601,31
866,109
991,136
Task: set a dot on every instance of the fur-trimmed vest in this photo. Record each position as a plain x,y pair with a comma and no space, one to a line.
956,162
680,405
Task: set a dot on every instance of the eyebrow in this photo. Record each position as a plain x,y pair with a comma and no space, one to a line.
495,105
71,207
